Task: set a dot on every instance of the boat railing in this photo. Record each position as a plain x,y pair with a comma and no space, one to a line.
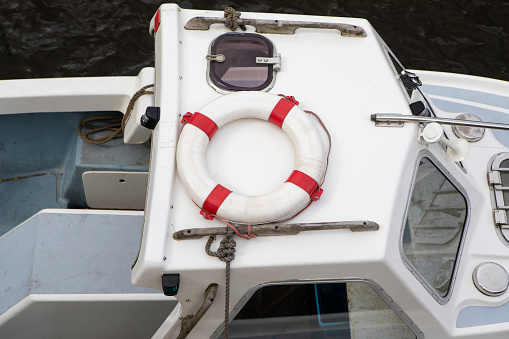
398,120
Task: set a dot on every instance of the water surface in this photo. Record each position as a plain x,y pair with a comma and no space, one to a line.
54,38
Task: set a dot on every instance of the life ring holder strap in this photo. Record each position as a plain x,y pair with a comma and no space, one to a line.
281,110
219,193
214,201
307,183
203,122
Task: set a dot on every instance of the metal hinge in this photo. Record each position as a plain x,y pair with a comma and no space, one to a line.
216,57
494,178
275,61
500,218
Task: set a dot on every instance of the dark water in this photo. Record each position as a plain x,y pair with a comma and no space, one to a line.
54,38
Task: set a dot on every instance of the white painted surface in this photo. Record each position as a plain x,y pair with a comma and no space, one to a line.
67,274
66,94
134,132
86,316
115,190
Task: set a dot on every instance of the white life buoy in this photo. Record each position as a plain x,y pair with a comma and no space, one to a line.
303,184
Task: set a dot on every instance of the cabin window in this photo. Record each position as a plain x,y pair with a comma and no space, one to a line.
433,229
352,309
235,65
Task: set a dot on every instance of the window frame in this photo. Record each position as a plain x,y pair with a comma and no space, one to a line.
443,170
378,290
267,86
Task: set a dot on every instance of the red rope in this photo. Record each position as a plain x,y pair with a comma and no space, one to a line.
247,236
290,98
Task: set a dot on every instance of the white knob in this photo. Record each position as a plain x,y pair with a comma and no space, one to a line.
432,132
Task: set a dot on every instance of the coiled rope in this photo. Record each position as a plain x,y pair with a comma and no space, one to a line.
114,123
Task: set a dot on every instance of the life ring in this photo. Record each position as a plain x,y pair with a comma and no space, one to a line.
303,184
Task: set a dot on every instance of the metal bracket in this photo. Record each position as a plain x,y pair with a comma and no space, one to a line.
410,80
389,123
276,61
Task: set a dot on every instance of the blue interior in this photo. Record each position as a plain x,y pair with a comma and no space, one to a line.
42,160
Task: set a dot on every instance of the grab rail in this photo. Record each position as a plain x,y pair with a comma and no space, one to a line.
277,229
387,120
277,26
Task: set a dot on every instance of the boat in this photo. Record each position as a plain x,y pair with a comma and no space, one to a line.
273,176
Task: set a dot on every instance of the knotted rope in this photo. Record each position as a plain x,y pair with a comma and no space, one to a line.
226,249
226,253
114,123
231,16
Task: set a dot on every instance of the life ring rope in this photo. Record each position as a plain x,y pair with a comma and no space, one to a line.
308,177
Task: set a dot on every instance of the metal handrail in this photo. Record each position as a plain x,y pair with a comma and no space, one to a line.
400,118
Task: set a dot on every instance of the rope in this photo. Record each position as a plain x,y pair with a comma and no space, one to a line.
114,123
226,253
231,16
247,236
226,249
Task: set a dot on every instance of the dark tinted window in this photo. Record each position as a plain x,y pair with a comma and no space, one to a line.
239,71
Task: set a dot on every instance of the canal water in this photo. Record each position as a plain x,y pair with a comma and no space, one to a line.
55,38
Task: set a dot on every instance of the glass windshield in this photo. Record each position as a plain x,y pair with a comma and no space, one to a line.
326,310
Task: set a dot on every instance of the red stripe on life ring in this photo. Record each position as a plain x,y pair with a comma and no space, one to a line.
203,122
214,201
280,111
307,183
